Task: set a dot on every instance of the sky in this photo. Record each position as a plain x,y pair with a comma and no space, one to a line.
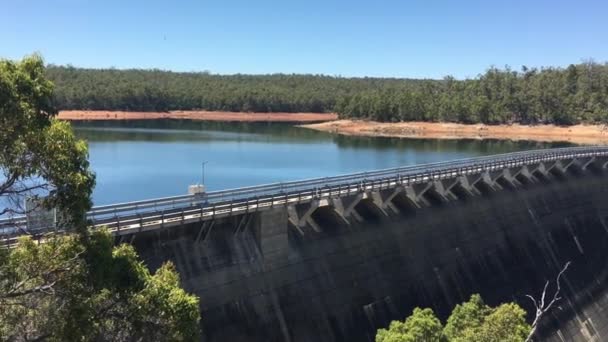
414,39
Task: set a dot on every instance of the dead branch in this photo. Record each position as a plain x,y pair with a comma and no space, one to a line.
10,181
47,276
46,289
18,191
541,307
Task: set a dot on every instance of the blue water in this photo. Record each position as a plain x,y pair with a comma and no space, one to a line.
138,160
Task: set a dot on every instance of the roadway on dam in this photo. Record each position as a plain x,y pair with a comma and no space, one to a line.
127,218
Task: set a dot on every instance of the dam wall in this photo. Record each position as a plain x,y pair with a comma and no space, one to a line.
263,277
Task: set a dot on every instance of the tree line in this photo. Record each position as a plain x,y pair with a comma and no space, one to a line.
156,90
578,93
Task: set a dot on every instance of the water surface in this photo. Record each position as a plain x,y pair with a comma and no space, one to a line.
137,160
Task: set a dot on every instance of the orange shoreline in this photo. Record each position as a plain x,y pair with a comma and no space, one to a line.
578,134
328,122
94,115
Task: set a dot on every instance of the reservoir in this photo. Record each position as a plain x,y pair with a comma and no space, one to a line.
136,160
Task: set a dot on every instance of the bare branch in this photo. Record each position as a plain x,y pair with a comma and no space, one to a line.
533,301
13,211
541,308
40,338
10,181
46,288
7,211
47,276
19,191
542,298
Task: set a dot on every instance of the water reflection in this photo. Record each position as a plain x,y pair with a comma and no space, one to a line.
144,159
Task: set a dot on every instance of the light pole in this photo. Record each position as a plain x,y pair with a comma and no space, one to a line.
205,162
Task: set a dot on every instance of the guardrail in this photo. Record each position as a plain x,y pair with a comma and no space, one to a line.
185,208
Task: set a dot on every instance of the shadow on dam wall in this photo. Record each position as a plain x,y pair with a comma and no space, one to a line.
260,279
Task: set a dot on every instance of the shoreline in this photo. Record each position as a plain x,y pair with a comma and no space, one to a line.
328,122
198,115
578,134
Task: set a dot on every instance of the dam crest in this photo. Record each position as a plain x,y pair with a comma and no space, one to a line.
334,259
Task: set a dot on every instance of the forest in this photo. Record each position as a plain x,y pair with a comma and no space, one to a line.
575,94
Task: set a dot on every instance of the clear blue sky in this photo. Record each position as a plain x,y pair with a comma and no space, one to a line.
429,38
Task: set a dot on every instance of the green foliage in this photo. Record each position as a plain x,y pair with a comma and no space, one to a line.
469,321
466,316
576,94
62,291
39,155
74,287
174,313
499,96
155,90
34,281
422,325
64,163
506,323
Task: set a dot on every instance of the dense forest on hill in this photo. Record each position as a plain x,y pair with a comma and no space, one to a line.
155,90
578,93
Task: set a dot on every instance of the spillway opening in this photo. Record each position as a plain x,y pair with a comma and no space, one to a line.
575,170
328,219
459,191
434,198
404,204
525,181
505,184
541,176
368,210
557,174
484,188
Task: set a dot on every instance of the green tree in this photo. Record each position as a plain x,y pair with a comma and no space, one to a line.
422,325
506,323
34,283
52,292
77,286
466,316
469,321
475,321
39,156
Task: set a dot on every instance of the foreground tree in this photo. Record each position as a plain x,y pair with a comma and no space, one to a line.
55,291
422,325
39,156
469,321
77,286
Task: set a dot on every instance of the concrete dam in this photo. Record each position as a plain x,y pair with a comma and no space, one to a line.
335,259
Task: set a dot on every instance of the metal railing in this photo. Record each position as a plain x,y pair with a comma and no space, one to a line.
180,209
